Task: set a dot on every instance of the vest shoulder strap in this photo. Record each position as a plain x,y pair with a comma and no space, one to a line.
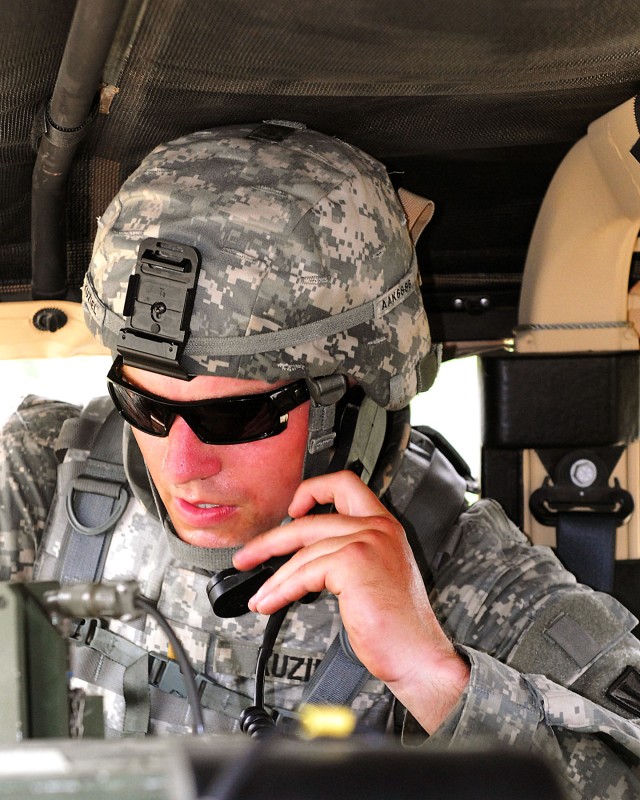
92,493
427,496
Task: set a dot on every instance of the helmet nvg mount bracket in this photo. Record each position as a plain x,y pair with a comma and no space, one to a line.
158,307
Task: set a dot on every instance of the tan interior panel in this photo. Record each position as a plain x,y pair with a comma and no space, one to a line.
20,338
577,267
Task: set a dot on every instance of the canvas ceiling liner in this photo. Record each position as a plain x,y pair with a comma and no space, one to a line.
471,104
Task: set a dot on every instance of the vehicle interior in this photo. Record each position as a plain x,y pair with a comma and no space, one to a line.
518,119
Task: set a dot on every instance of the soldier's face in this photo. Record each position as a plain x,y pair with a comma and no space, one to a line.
221,495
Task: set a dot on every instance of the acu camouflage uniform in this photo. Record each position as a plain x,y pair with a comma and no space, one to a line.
491,590
308,270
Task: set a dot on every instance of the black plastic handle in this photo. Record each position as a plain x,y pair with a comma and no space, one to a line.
230,590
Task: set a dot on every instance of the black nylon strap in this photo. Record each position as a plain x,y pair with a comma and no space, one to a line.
337,680
635,150
67,137
586,545
436,504
625,690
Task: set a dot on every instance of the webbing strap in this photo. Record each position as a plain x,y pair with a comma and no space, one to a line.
116,664
175,711
434,507
95,501
321,438
151,685
586,545
135,688
338,679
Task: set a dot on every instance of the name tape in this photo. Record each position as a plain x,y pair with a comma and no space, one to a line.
396,295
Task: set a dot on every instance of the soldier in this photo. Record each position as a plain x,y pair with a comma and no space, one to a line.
246,393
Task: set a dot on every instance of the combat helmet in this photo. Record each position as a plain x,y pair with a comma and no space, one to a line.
307,266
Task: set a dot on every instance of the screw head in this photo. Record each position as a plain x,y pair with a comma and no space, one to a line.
583,472
157,311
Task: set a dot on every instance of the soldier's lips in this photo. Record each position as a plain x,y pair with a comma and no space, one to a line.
202,514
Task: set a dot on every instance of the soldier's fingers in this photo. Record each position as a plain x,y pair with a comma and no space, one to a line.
311,570
344,490
303,532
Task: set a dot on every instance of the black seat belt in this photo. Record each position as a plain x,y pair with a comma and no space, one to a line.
586,545
585,504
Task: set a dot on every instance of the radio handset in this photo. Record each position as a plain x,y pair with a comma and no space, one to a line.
230,590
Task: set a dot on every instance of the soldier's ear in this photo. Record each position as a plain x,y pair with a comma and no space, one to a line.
418,211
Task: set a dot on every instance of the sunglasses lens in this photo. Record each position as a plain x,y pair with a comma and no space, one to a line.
140,411
243,421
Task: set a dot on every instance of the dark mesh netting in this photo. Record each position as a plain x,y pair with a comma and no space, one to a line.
30,50
472,104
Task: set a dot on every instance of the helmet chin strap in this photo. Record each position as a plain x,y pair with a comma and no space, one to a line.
348,436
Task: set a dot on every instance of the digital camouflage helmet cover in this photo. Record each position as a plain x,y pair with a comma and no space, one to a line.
308,268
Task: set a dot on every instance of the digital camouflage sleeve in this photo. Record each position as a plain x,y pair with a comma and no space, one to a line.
501,598
28,467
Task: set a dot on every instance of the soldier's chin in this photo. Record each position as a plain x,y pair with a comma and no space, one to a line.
210,539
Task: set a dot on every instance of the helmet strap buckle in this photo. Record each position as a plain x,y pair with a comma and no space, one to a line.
325,393
328,390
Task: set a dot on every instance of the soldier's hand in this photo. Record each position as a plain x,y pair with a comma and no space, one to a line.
361,554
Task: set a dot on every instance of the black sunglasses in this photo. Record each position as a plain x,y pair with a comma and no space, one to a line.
222,420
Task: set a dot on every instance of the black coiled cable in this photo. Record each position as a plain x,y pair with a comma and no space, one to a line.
255,720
